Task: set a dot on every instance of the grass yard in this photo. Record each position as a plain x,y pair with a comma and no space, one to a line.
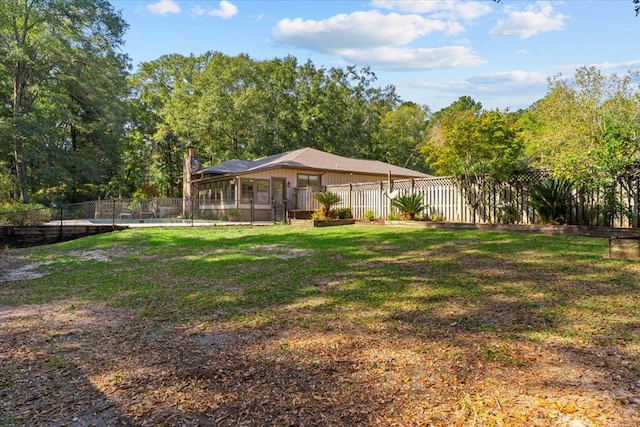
340,326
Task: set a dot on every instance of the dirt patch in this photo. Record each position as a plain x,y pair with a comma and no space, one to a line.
14,268
279,251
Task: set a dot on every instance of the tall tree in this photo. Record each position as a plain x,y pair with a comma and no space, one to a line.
164,123
476,147
236,107
568,129
401,134
44,46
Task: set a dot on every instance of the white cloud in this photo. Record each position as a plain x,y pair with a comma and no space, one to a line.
407,59
621,66
510,79
164,7
225,10
358,30
377,39
445,9
537,18
606,67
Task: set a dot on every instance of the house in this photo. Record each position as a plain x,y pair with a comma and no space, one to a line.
264,188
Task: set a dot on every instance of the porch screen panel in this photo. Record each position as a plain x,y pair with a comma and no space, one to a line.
228,191
262,191
247,187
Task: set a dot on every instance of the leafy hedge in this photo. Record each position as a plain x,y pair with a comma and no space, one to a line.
24,214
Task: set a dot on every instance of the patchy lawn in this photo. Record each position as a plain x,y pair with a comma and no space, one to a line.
358,325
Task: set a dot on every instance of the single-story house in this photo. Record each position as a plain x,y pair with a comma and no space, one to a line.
268,183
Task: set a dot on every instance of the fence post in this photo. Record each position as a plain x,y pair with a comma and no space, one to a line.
61,224
284,202
273,210
380,199
192,215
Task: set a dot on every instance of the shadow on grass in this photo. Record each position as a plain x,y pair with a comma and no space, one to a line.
314,338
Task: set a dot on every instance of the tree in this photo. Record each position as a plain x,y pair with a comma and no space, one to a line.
476,148
45,46
232,107
586,130
400,134
166,118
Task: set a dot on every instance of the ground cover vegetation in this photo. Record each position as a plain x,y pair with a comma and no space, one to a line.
77,123
362,325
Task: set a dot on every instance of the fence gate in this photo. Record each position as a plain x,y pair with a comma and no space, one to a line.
278,211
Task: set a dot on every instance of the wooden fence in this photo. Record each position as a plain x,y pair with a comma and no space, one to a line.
505,202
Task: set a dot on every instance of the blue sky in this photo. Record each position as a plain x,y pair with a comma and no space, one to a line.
432,51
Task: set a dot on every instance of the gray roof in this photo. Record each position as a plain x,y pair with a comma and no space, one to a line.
310,158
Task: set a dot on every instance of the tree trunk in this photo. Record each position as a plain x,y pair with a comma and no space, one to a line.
18,146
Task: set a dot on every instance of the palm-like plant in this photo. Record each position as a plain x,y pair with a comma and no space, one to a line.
551,199
410,205
327,200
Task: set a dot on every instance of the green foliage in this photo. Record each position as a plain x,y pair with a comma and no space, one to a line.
509,214
6,184
369,215
436,218
23,214
232,107
67,91
341,213
476,147
410,205
551,199
400,135
327,200
584,128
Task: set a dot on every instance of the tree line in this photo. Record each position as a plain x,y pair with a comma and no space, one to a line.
76,123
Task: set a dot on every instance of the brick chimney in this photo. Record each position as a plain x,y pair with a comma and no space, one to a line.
189,191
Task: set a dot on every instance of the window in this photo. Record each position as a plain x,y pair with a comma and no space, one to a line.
218,191
262,191
256,190
305,180
247,190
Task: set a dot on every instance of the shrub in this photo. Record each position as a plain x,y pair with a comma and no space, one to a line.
509,214
317,216
410,206
551,199
436,218
341,213
24,214
369,215
327,200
